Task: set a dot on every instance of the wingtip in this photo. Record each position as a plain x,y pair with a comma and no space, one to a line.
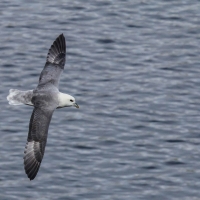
57,51
61,35
31,171
30,178
31,164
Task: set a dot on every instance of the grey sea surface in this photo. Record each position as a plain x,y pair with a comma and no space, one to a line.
134,69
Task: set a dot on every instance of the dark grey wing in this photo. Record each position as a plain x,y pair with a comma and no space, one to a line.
55,62
36,141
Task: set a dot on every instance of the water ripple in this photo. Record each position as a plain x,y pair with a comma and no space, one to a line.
133,67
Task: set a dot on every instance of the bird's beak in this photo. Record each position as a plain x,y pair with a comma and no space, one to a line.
76,105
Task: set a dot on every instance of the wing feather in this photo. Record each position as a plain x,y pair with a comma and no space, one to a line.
55,62
36,141
57,50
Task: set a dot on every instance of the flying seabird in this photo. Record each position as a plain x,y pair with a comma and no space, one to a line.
45,99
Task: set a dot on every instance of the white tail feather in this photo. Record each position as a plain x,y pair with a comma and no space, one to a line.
17,97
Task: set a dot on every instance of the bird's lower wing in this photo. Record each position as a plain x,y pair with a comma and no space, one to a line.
36,141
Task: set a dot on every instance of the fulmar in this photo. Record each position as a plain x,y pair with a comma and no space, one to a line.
45,99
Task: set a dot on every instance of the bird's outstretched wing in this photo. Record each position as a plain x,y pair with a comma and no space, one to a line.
36,141
55,63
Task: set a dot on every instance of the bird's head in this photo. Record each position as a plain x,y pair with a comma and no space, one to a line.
72,102
66,100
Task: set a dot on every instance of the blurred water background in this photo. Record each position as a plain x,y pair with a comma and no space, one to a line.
134,68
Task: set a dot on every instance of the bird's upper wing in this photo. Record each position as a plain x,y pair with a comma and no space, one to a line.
36,141
55,62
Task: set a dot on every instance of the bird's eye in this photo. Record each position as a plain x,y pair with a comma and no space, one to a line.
71,100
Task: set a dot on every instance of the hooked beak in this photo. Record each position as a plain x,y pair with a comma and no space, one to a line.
76,105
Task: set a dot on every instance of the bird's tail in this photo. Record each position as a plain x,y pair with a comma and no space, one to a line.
17,97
